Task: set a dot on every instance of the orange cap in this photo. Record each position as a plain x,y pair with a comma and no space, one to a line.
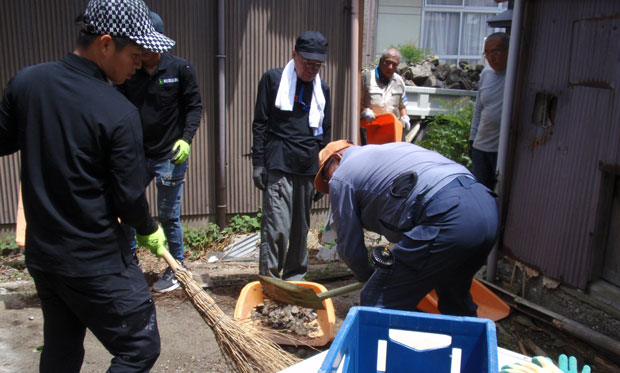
320,184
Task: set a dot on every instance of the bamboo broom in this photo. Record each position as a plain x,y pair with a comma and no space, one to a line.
245,347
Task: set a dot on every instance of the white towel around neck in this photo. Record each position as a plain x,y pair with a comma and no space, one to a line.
285,97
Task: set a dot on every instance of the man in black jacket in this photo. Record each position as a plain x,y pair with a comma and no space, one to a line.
82,169
292,122
166,93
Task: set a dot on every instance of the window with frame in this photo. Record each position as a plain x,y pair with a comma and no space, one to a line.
454,30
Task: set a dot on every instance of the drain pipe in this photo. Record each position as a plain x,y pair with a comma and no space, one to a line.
509,90
355,72
220,129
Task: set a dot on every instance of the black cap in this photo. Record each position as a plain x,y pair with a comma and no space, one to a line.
312,45
158,24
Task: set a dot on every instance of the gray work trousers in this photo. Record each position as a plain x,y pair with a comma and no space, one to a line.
285,222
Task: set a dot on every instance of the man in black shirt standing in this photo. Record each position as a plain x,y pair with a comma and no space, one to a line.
82,168
292,122
166,93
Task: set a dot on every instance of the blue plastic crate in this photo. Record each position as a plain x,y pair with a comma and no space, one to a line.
370,338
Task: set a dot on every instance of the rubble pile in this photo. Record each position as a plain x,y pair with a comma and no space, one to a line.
430,73
286,317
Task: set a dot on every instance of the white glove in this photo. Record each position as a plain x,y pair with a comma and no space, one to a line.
406,122
368,115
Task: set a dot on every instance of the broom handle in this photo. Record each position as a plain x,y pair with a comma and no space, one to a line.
170,259
341,290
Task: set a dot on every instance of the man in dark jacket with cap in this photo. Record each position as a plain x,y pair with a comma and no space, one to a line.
166,93
82,169
292,122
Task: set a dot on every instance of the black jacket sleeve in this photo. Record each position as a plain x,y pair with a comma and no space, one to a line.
327,119
192,105
9,141
127,167
261,116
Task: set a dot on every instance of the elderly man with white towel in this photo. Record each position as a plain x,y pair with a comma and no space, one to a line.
292,123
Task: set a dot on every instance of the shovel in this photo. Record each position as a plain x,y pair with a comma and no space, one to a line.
286,292
490,306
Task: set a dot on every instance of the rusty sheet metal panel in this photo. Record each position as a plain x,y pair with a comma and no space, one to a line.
573,56
261,35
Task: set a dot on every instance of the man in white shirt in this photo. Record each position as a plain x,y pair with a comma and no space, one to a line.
485,126
383,90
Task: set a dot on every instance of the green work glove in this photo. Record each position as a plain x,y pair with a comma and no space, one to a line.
181,151
154,241
569,365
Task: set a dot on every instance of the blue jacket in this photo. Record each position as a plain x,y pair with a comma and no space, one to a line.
382,188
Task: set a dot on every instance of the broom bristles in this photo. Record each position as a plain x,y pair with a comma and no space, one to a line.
246,347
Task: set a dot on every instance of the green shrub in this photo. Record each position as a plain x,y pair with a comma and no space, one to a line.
8,246
448,133
411,54
203,238
200,240
244,223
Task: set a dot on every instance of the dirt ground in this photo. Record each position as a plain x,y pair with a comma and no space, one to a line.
188,344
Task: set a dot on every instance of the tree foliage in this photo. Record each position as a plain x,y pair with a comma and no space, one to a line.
411,54
448,133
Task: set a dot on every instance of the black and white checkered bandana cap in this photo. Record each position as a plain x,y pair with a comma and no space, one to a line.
128,18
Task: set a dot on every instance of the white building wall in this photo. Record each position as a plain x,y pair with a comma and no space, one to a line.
398,22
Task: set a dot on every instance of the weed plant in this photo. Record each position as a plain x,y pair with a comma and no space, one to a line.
200,240
412,54
448,133
8,246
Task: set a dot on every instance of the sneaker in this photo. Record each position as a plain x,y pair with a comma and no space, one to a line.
167,282
136,260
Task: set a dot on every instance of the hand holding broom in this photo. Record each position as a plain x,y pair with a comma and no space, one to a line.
154,242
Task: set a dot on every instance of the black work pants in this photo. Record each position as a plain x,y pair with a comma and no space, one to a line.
484,164
116,308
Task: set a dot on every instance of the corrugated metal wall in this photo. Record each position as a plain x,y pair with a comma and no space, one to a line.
573,54
259,35
31,32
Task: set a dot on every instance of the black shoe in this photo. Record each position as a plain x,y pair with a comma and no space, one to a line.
136,260
167,282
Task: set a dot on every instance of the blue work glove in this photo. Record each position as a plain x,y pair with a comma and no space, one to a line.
569,365
181,151
154,241
260,177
